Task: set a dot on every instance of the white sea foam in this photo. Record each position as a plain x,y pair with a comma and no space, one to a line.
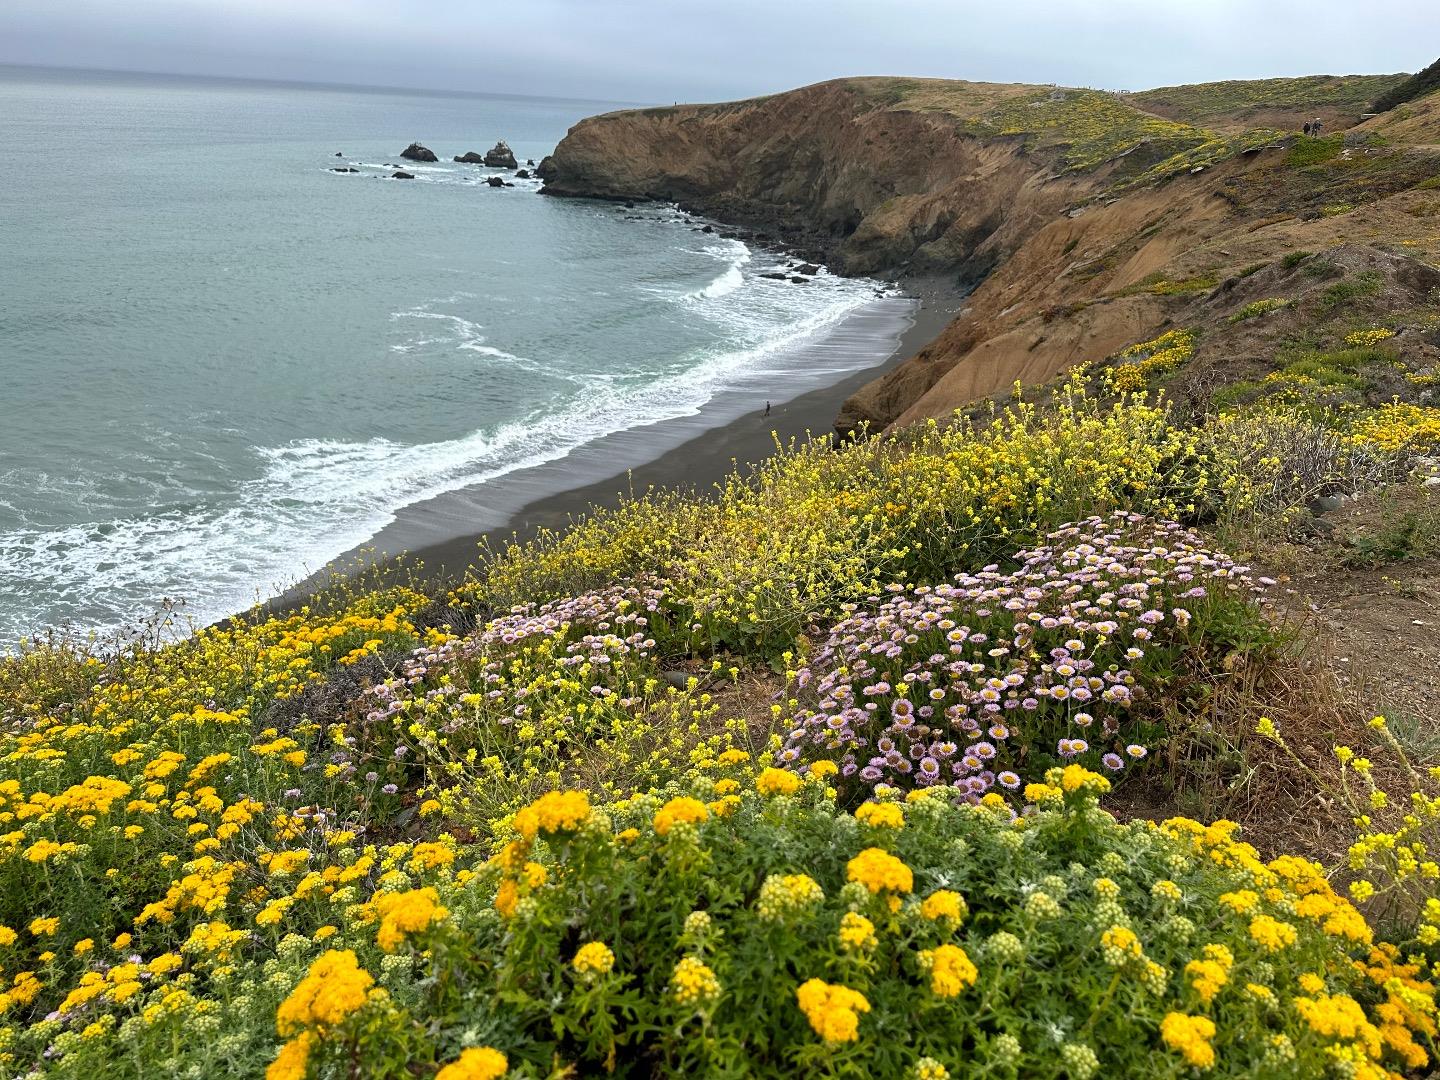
737,255
313,499
465,335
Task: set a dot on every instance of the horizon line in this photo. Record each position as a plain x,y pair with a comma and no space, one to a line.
420,91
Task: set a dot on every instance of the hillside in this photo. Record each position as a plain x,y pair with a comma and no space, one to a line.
1085,730
1127,213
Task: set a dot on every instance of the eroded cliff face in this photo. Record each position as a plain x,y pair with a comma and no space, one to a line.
1087,223
828,169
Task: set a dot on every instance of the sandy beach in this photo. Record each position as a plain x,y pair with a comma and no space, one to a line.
437,539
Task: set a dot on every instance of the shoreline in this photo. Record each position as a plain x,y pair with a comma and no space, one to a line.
519,504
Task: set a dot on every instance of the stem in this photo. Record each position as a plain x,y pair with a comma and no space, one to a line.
1104,1001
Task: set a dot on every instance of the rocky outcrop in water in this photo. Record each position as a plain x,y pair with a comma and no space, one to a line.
500,156
416,152
402,176
471,158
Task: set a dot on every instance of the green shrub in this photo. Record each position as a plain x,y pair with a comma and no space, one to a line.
1257,308
1416,86
1402,533
1307,151
739,930
1343,293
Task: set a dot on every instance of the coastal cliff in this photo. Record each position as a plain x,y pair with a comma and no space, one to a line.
832,170
1084,221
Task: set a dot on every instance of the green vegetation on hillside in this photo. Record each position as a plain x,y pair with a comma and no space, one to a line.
1200,102
1085,127
543,827
1416,86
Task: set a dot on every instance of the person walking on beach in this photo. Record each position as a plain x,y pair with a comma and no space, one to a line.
767,408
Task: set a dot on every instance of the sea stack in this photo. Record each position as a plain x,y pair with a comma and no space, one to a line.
416,152
500,156
470,157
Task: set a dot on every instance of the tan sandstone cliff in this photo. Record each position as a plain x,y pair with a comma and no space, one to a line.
1089,221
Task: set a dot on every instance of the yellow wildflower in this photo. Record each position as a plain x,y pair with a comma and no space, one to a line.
879,871
592,959
833,1010
476,1063
682,810
1191,1036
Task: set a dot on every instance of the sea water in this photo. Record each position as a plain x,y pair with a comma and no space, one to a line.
223,363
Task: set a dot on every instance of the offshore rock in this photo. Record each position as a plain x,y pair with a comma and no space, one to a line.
500,156
416,152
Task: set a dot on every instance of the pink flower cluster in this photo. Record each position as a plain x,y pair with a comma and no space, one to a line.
973,683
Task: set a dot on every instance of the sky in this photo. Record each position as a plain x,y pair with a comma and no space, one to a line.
684,50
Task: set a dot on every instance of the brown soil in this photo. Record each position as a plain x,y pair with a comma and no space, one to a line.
1381,622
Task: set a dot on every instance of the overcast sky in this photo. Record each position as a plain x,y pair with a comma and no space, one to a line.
667,50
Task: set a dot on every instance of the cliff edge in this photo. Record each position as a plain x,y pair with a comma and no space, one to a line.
1084,221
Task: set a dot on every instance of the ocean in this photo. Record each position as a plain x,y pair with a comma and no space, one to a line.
225,364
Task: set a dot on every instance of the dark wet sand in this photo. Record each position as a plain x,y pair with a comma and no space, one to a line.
551,495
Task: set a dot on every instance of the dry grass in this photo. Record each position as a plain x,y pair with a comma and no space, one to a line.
1218,767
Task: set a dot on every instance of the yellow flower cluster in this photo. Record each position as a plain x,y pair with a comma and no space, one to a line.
1191,1036
553,812
783,895
1119,946
880,815
404,913
1158,356
693,983
880,872
1271,933
777,782
335,987
476,1063
944,905
833,1010
1399,426
857,933
1209,975
950,969
682,810
592,959
1361,339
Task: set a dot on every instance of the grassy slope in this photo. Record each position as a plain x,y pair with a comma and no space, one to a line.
1202,102
1198,123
